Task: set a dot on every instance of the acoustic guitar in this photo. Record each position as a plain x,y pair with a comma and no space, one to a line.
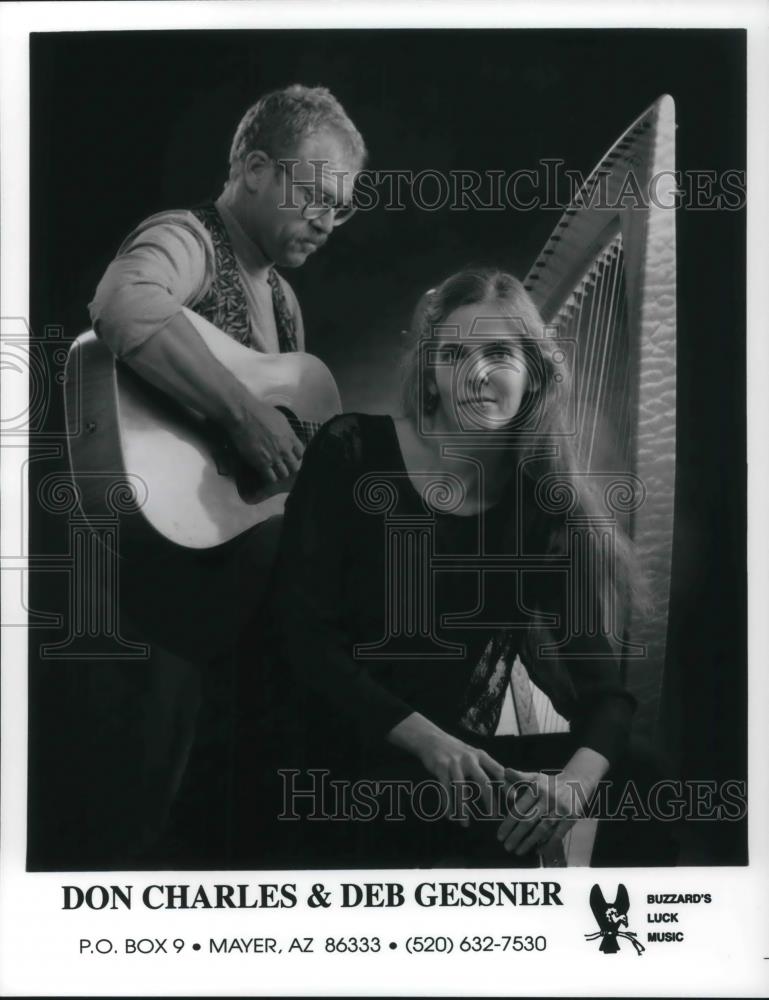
180,475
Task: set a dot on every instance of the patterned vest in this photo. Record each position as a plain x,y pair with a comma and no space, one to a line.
224,304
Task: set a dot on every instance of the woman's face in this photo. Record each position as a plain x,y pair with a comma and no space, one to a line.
481,374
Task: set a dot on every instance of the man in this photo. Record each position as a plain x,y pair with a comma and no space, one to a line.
293,162
292,168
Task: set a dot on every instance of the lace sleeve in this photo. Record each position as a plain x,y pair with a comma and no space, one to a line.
311,615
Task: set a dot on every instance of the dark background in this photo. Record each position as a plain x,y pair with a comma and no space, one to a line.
127,124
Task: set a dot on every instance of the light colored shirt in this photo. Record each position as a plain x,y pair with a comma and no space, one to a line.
168,262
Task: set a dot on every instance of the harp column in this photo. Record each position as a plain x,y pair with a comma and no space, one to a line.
653,312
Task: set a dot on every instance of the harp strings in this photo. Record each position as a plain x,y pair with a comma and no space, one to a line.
548,719
594,317
608,345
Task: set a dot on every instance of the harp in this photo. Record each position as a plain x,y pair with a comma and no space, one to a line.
606,281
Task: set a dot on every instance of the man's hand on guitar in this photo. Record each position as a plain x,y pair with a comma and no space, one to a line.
263,437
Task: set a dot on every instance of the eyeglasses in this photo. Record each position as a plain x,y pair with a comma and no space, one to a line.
315,203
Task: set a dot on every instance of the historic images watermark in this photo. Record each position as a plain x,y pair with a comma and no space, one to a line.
314,795
549,184
34,369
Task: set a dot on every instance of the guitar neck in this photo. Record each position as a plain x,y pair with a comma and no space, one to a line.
305,430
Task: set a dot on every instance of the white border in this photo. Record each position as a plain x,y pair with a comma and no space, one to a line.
33,956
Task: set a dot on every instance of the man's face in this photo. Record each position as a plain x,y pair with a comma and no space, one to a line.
279,193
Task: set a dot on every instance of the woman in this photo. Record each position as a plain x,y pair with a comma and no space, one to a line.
415,563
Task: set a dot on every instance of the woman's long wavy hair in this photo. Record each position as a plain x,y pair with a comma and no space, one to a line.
543,411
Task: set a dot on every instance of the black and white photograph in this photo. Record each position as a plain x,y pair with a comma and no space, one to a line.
385,467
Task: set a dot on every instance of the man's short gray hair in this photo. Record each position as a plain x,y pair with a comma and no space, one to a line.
280,120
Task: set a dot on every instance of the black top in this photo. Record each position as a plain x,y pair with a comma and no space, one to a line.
384,601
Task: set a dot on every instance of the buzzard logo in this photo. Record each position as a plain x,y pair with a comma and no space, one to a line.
611,917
